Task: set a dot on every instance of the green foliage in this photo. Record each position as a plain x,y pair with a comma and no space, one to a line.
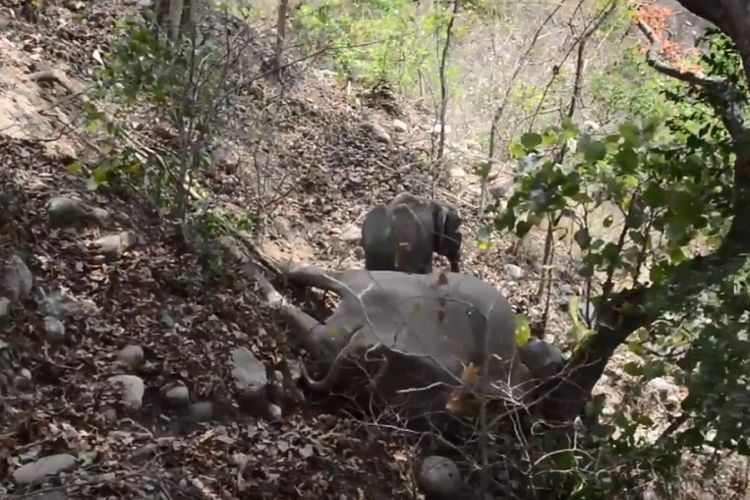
375,41
668,172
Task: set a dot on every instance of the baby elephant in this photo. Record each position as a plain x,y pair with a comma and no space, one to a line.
402,235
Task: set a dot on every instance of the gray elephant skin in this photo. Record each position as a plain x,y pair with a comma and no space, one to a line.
403,235
423,328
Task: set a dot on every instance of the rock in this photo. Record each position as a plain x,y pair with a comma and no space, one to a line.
16,280
4,307
36,471
377,132
55,329
351,233
202,411
176,394
274,412
248,372
132,389
513,271
400,127
57,305
439,478
64,212
131,356
114,245
22,381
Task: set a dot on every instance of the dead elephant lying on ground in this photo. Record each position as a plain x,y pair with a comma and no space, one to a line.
423,329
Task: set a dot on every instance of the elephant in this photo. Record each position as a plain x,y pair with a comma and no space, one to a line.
403,234
423,329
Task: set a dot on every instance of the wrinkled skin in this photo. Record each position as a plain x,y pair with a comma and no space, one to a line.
403,235
427,328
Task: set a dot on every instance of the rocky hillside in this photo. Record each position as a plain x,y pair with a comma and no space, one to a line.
137,363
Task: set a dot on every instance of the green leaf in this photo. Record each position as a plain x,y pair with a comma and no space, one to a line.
593,151
530,140
515,150
632,368
75,167
523,331
627,159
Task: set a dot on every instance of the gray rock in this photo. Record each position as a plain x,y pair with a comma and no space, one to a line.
274,412
131,356
513,271
55,329
439,478
114,245
64,212
36,471
132,389
16,280
249,373
202,411
57,305
377,132
176,394
399,126
351,233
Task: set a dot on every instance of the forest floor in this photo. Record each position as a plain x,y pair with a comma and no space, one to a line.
157,294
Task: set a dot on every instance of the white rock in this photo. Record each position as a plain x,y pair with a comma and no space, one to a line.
36,471
351,233
399,126
55,329
513,271
436,129
4,307
132,388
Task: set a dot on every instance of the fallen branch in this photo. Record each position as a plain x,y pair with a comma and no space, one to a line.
59,77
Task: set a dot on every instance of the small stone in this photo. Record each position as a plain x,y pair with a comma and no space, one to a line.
131,356
16,280
399,126
274,412
202,411
439,478
64,212
513,271
132,389
55,329
22,383
351,233
114,245
36,471
177,395
249,373
377,132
